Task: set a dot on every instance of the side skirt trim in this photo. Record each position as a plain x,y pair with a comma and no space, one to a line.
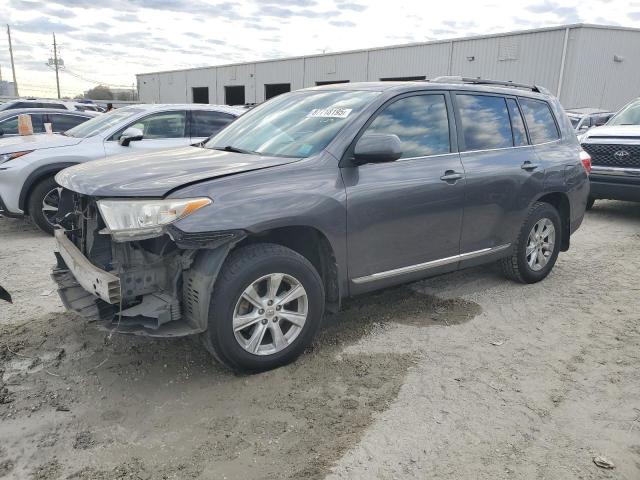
427,265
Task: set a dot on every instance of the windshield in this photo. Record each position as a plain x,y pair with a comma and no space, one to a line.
629,115
574,120
102,122
298,124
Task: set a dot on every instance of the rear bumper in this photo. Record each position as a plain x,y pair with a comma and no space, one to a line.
615,187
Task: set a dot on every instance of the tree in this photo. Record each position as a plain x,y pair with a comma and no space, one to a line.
100,92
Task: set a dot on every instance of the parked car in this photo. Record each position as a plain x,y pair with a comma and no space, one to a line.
41,103
28,164
583,119
315,196
60,120
615,155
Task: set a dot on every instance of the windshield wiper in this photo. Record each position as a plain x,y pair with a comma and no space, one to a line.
230,148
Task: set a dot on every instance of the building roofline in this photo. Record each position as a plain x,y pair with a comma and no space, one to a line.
402,45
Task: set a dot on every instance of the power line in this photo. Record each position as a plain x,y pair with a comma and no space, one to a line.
97,82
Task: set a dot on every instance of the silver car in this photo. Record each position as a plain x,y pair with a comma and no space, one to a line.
60,120
28,164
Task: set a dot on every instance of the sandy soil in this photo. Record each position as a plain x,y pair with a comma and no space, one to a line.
464,376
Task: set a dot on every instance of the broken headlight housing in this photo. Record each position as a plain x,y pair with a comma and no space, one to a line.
128,220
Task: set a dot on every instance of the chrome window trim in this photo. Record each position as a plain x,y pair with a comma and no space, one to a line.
511,148
427,265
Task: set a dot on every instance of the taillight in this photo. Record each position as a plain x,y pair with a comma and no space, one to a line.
585,158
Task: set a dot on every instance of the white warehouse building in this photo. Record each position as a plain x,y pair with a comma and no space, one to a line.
585,65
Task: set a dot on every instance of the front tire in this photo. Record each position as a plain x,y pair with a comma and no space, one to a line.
43,204
266,308
537,247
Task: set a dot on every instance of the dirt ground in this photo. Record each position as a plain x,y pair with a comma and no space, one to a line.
464,376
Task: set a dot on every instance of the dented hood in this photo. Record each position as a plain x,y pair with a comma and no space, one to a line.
156,173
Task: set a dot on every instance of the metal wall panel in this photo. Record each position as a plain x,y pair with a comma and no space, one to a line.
344,66
533,58
590,76
593,77
173,87
429,60
282,71
149,88
242,74
204,77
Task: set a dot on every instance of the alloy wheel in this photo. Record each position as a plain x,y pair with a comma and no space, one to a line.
540,244
50,204
270,314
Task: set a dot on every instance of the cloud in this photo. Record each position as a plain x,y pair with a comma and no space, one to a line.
634,15
43,25
565,14
293,3
259,26
273,11
346,5
342,23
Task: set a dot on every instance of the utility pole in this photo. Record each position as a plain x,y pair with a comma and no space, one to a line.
55,61
13,66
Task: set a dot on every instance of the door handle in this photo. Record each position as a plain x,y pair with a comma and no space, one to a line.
451,176
528,166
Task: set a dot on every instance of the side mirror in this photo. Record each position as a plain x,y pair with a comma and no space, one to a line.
131,134
377,148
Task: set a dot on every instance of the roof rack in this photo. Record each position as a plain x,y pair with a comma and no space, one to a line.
481,81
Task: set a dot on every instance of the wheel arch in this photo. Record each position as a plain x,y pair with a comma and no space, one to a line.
312,244
37,176
560,201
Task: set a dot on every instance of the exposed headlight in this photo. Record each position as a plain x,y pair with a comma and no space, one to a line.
5,157
141,219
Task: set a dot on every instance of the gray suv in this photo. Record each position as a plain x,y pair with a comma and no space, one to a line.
315,196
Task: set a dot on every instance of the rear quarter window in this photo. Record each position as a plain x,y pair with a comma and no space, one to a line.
540,121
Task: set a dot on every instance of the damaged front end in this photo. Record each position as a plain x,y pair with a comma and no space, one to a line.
157,286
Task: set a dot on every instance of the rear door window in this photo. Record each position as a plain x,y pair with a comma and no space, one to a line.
163,125
62,123
206,123
540,122
420,122
9,126
484,122
517,124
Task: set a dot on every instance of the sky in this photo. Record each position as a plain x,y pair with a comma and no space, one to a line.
109,41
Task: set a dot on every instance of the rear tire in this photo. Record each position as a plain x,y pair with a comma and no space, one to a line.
45,189
590,202
252,289
537,247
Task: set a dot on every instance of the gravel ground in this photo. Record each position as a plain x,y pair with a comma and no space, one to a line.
464,376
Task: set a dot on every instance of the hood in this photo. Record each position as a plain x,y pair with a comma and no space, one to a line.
38,141
613,132
156,173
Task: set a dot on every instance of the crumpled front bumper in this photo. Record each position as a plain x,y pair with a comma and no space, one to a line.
103,285
98,296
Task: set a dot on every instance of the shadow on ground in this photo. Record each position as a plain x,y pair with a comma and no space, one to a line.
162,409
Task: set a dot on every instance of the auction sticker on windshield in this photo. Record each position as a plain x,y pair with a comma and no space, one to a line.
329,113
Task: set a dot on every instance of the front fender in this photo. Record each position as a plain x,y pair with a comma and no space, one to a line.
37,175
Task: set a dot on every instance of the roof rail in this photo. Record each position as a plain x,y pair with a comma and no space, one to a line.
481,81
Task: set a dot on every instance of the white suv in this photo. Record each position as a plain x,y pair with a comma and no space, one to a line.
28,164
